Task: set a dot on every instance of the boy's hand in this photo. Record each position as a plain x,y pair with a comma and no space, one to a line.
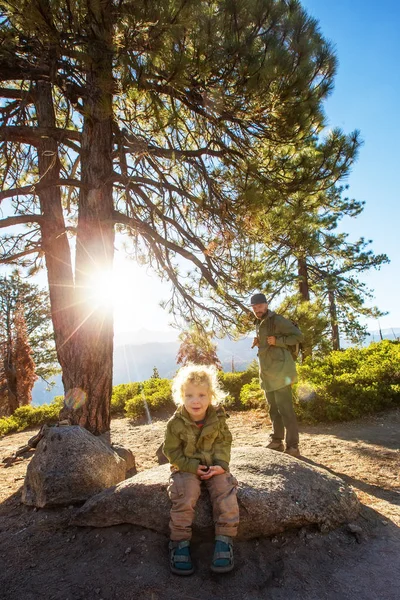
201,470
271,339
214,470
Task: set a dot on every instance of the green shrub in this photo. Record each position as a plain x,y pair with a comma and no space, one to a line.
8,425
233,383
252,396
121,394
156,392
134,408
31,416
351,383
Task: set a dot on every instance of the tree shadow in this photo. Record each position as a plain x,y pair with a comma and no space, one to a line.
390,496
381,429
126,561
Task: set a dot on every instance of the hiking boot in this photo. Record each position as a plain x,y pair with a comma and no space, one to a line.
276,445
293,451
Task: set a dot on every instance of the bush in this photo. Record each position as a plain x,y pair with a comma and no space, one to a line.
121,394
135,408
156,392
233,384
351,383
31,416
252,396
8,425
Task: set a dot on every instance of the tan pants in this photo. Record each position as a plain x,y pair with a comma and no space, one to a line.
184,491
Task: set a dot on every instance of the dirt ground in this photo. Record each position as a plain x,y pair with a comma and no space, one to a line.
42,557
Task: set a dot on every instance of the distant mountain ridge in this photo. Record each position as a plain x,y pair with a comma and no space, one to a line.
136,353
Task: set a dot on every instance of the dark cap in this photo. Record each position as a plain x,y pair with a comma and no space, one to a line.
258,299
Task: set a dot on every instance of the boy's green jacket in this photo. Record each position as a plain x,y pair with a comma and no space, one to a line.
277,367
187,446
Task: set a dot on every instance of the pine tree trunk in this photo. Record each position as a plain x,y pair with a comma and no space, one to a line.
304,290
334,323
83,329
88,380
54,236
9,367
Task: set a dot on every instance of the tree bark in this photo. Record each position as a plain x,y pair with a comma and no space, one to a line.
55,243
9,367
83,328
88,378
334,323
302,272
304,292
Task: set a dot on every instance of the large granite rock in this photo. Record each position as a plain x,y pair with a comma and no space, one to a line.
275,492
70,465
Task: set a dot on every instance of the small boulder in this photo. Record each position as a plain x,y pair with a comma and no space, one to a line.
161,458
275,493
70,465
128,457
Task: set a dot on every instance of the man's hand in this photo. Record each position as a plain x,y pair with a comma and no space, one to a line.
214,470
256,343
271,339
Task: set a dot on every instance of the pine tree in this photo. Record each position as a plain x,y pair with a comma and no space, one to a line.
22,360
172,123
315,268
198,348
14,291
8,391
156,374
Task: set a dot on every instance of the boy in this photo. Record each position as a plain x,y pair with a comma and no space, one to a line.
198,445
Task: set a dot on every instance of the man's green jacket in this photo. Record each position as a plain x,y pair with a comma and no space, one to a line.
187,446
277,367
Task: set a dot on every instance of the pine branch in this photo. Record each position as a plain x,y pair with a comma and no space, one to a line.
139,146
13,69
35,188
20,220
128,181
33,135
17,94
13,258
207,273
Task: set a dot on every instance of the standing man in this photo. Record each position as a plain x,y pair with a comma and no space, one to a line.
277,372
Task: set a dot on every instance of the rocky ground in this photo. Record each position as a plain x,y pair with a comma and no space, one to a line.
42,557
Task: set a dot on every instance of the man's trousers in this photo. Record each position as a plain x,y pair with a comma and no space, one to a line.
283,417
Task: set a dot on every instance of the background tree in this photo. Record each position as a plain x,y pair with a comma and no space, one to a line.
156,374
171,122
34,302
197,347
17,367
303,258
23,361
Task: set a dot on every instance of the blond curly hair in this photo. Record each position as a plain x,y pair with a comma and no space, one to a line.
198,375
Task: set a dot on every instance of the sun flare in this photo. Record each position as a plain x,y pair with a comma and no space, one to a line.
102,289
128,292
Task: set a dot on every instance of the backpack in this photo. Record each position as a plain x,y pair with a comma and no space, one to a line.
294,349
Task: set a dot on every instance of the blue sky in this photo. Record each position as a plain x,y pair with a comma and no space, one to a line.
365,35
